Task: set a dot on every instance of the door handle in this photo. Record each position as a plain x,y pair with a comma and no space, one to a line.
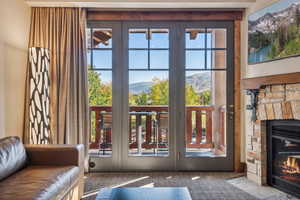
231,115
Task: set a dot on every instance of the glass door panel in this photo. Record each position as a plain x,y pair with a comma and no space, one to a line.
205,92
100,91
148,92
104,95
208,93
147,47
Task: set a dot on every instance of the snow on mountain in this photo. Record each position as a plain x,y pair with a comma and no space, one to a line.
270,22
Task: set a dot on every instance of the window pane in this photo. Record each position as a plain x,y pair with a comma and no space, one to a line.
195,38
194,59
138,38
205,94
216,59
138,59
148,116
100,97
102,38
159,38
159,59
102,59
217,38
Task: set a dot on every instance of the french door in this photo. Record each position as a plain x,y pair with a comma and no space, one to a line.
161,95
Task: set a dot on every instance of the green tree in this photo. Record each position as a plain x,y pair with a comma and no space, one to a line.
206,97
99,93
191,97
139,99
159,92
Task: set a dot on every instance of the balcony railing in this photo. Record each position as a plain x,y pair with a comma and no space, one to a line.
148,127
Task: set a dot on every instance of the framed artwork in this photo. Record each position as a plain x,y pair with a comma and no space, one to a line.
274,32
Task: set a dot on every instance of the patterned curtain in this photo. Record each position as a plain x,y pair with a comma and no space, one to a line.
62,31
39,99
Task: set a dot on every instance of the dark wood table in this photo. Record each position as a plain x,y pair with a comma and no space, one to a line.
156,193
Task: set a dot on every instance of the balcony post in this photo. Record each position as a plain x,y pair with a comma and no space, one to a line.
189,126
198,126
98,126
159,139
137,128
130,130
148,128
208,126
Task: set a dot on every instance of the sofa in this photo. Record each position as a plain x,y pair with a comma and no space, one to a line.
40,172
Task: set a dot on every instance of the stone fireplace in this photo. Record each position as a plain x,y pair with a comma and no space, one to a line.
272,102
283,153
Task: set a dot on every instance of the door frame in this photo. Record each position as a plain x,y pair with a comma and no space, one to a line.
206,163
146,163
120,127
112,163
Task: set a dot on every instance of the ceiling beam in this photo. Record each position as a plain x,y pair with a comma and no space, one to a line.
156,4
163,16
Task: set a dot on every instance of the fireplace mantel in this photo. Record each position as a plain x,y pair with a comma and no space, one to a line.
258,82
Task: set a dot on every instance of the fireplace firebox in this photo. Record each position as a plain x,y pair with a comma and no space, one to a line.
283,151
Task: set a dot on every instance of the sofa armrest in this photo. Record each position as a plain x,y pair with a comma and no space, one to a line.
58,155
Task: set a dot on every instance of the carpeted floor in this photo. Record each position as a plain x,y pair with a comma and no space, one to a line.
202,186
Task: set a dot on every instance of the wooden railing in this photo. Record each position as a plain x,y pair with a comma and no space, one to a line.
152,121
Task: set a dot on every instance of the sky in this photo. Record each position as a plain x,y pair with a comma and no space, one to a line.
281,5
138,59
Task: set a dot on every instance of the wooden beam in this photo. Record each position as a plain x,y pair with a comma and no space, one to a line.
257,82
162,15
193,35
238,166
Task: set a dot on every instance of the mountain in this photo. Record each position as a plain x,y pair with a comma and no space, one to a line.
270,22
200,82
136,88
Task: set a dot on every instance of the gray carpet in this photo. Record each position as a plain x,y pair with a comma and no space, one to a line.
202,186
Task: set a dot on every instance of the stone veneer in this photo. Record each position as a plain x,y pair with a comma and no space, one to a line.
276,102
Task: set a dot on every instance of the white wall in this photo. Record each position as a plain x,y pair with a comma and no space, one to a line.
288,65
14,23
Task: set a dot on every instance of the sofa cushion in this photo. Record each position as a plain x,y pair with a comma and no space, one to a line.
39,182
12,156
